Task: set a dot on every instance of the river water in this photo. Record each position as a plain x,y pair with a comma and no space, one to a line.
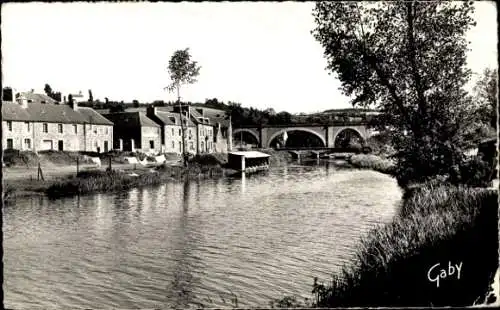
212,243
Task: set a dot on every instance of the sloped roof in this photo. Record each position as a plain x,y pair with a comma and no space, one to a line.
93,117
168,118
132,119
217,116
50,113
38,98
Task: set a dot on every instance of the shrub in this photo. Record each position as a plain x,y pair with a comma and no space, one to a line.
374,162
20,158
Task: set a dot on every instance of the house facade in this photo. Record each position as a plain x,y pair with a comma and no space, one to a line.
212,129
171,131
30,125
134,131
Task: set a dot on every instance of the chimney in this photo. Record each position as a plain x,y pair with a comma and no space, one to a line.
23,102
8,94
151,110
72,102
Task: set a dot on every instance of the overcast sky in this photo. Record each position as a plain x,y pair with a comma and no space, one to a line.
258,54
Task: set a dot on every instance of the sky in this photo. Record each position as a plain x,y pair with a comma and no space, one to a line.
261,55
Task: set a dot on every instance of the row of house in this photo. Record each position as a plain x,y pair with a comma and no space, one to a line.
37,122
160,130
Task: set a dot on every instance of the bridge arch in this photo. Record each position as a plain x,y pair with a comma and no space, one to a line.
344,130
251,132
287,130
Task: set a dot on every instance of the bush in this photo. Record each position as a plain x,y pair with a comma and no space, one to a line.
20,158
476,172
374,162
215,159
437,224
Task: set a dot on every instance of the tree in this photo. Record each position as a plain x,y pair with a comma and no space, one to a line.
91,98
135,103
182,71
408,60
48,90
117,108
486,93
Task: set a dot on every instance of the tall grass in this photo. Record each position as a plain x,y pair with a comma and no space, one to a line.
110,181
374,162
436,224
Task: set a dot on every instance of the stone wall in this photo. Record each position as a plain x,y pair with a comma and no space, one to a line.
71,137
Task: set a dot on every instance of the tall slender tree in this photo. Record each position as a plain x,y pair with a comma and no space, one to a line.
182,71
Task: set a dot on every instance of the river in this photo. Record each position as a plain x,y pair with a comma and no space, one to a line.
211,243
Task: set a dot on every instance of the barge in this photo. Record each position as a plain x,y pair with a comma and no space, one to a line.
248,161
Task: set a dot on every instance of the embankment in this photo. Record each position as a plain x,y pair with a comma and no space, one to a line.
374,162
401,263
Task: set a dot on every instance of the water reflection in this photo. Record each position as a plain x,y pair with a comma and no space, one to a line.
182,244
243,182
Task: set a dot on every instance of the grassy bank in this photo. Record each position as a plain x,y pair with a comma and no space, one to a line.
374,162
437,224
112,181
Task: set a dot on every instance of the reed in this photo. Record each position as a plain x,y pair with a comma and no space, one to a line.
436,224
374,162
112,181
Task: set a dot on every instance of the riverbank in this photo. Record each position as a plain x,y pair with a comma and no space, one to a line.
400,264
20,180
374,162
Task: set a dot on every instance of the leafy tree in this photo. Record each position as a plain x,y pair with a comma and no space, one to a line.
182,71
118,107
486,93
135,103
48,90
408,60
51,93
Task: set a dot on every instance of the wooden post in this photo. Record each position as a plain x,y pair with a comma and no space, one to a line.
77,165
109,166
40,172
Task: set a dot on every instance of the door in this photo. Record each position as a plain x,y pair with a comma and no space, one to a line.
46,145
10,144
105,146
60,145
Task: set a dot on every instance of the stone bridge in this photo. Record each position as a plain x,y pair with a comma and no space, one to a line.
265,134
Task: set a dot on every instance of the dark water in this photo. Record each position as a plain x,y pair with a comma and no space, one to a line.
190,244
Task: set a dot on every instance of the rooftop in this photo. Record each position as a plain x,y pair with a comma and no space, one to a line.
250,154
51,113
131,119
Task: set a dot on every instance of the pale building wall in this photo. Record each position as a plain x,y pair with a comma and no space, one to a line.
90,140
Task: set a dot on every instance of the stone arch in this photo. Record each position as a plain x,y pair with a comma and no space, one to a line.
276,134
251,132
359,133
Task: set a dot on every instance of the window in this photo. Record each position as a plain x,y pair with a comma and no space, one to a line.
173,144
27,126
151,144
9,125
191,145
27,143
75,128
180,132
60,128
10,143
173,133
107,130
180,146
45,127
